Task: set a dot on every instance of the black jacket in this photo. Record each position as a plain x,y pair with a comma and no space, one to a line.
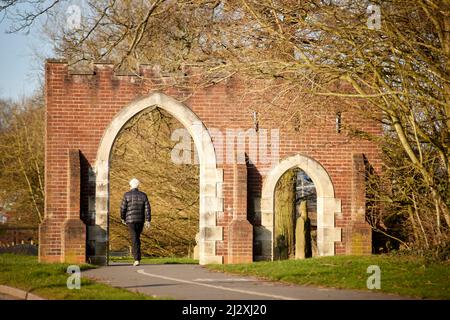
135,207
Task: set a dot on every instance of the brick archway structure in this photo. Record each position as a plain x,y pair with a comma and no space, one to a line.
86,109
327,204
210,177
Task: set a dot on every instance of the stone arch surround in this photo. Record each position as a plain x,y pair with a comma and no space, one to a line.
211,178
327,205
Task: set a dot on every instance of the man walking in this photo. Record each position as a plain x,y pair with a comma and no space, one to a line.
134,211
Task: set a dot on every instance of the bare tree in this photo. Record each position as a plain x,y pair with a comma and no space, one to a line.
388,60
22,160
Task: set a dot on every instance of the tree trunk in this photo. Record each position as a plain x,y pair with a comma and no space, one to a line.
285,216
303,233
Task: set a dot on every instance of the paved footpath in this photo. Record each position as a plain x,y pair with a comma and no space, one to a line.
7,297
194,282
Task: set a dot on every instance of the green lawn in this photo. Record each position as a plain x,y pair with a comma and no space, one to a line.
168,260
49,280
400,275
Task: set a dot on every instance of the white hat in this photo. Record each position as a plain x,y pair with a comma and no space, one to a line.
134,183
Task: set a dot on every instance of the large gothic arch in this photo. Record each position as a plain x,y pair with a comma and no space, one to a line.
327,204
211,178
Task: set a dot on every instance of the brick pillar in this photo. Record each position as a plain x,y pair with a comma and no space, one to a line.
49,247
240,231
73,231
360,231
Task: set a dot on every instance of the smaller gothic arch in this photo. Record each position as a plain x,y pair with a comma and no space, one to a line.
327,205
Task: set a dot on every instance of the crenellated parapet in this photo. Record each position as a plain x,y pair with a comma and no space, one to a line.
101,73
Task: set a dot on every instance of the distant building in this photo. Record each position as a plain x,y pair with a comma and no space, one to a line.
3,217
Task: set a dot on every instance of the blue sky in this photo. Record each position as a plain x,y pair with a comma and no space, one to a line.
18,63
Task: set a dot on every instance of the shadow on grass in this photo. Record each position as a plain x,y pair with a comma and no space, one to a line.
156,261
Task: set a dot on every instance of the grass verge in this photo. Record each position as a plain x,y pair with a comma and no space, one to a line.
50,280
168,260
408,276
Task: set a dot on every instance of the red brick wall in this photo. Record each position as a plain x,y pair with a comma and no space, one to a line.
240,231
10,235
81,106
